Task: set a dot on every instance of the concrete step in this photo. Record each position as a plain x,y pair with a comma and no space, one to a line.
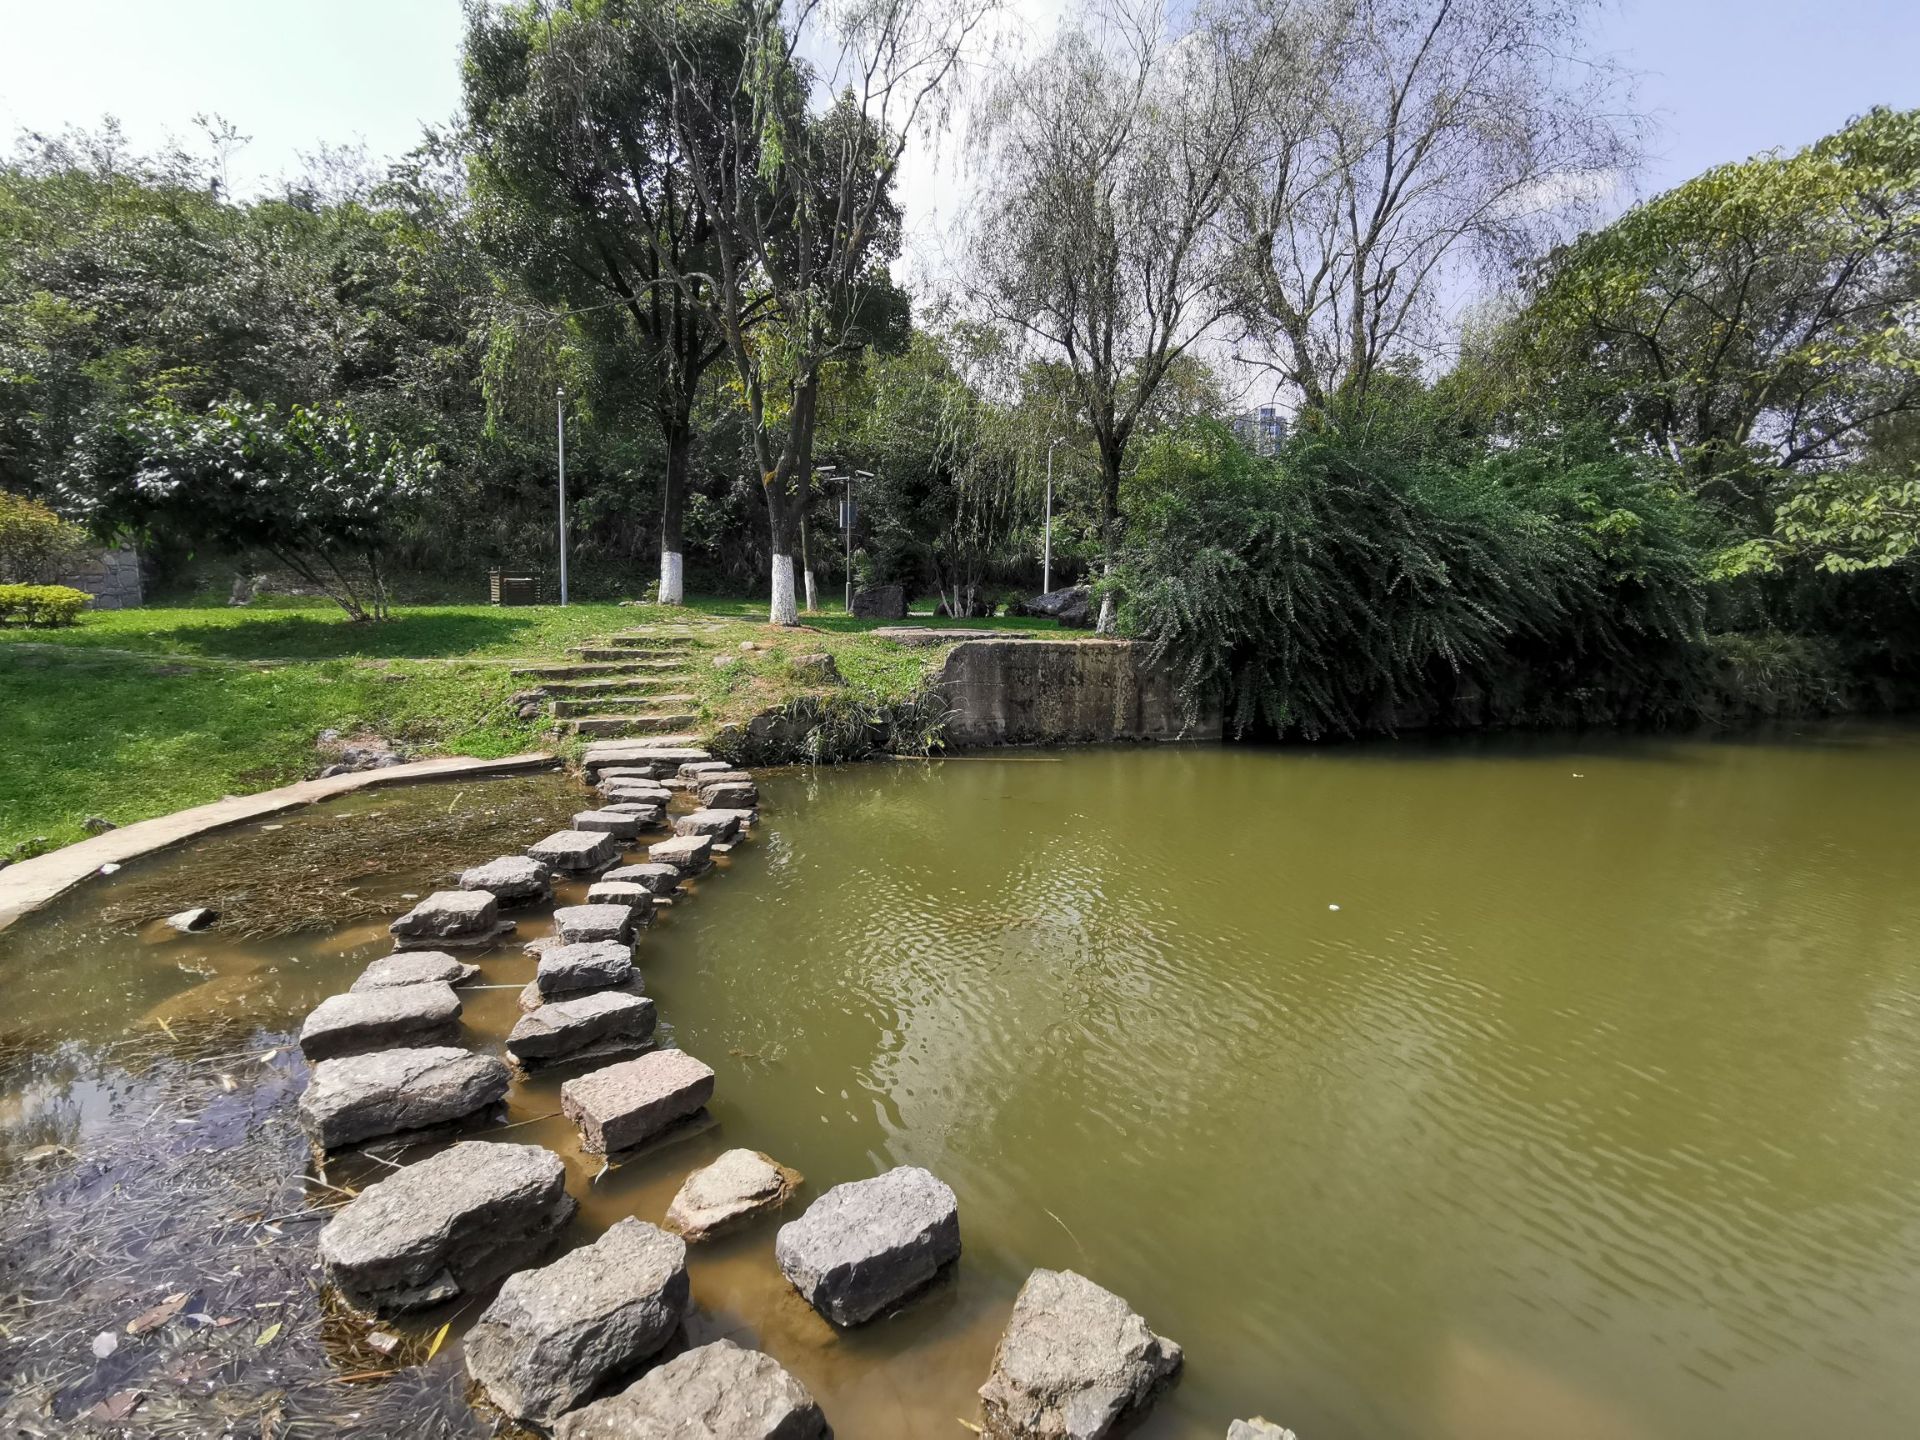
571,670
653,725
640,653
644,684
608,704
665,642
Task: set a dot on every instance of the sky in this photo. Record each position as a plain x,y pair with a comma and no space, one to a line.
1724,79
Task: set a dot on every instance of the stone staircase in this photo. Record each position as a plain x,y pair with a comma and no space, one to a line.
625,685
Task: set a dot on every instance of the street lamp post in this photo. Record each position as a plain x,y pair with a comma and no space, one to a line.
1046,557
560,424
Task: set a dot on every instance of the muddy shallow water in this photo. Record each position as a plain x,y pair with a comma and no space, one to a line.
1589,1112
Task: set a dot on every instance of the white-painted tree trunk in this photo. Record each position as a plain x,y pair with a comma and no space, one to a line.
811,607
783,611
1108,621
671,590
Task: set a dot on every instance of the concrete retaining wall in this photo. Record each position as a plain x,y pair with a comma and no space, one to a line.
1043,692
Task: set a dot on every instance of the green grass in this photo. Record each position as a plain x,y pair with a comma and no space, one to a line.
134,713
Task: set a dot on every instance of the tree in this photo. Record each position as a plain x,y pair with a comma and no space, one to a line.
309,487
1404,141
802,202
1757,325
35,544
1110,157
581,187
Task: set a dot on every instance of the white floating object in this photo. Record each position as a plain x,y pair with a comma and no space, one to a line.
1333,907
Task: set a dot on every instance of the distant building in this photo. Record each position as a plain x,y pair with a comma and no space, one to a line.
1262,430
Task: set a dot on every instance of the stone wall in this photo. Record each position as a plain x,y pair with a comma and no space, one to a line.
112,577
1043,692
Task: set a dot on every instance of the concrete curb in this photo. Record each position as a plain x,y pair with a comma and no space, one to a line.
32,883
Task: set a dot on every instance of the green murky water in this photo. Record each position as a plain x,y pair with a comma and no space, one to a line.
1593,1110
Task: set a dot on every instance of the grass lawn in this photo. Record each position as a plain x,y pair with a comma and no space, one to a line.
134,713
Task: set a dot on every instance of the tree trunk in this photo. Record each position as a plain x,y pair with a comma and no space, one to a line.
679,438
1109,533
806,564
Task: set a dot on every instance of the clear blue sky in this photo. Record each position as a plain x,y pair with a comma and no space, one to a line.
1724,77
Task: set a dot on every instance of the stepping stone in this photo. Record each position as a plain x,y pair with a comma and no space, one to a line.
730,795
458,918
717,1392
554,1335
743,818
629,893
576,852
694,769
614,822
415,967
446,1226
645,792
721,825
863,1247
689,854
601,1021
658,879
732,1190
647,815
511,879
381,1019
1258,1429
622,1105
639,753
581,924
1074,1362
585,965
531,999
391,1092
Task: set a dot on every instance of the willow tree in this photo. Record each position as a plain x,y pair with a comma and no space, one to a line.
1108,160
801,196
581,187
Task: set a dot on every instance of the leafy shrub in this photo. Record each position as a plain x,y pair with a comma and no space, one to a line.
833,729
41,605
35,544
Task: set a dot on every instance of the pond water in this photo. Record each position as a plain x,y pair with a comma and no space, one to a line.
1592,1110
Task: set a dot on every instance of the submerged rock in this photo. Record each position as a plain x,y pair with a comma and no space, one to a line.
588,965
391,1092
863,1247
510,879
1074,1363
717,1392
600,1020
446,1226
188,921
659,879
732,1190
381,1019
689,854
554,1335
415,967
618,1107
579,924
576,852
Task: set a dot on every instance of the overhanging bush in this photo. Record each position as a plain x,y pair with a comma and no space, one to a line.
41,604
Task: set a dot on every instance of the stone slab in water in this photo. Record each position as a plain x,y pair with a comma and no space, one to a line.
511,879
576,852
581,924
715,1392
391,1092
456,915
385,1018
630,893
587,965
627,787
659,879
618,1107
188,922
600,1019
646,813
616,823
1075,1363
446,1226
734,1189
694,769
721,825
743,819
531,999
415,967
689,854
863,1247
1258,1429
730,795
556,1334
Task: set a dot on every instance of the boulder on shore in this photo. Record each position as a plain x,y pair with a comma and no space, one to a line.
446,1226
381,1019
576,852
716,1392
587,965
556,1334
415,967
1074,1363
879,602
732,1190
863,1247
392,1092
621,1105
451,917
510,879
603,1021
